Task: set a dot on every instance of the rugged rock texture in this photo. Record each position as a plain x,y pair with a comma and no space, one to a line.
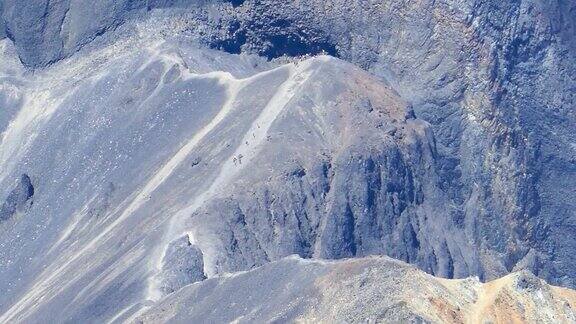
45,31
354,179
182,264
365,290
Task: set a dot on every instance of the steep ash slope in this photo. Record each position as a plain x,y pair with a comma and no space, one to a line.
91,133
496,80
359,291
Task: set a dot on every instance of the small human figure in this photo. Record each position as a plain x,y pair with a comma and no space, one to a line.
196,161
234,159
240,156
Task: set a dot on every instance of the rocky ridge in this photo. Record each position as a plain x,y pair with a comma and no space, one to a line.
375,290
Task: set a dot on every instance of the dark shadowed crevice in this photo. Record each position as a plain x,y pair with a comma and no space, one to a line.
349,231
273,39
294,45
232,44
236,3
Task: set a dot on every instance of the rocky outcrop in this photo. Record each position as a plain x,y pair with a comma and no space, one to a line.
18,199
182,265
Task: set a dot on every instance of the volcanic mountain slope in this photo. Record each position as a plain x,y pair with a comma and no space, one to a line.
149,164
495,80
136,161
376,289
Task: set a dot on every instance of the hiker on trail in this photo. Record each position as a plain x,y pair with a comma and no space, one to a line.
234,159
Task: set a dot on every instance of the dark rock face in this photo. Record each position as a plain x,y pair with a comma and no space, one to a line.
496,80
35,28
18,199
272,30
182,265
45,31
